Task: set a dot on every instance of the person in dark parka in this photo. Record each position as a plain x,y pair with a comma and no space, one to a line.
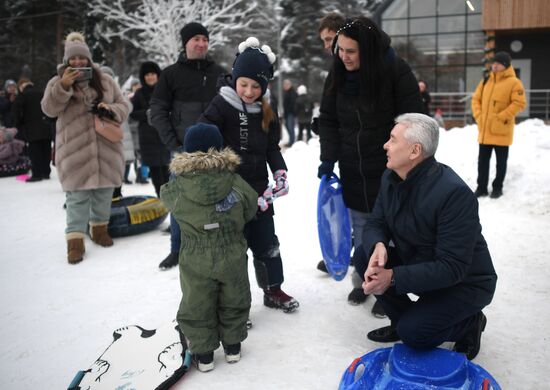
431,217
182,93
35,129
368,86
153,152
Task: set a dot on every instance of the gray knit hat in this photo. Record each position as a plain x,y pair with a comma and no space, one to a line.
75,45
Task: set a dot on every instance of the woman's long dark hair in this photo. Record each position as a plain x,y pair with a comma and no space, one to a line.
96,83
366,33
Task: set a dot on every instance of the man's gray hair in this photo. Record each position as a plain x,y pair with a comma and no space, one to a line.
421,129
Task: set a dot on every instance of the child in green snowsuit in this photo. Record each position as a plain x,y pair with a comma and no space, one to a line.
211,203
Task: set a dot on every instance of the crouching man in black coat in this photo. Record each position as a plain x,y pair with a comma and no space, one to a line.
424,237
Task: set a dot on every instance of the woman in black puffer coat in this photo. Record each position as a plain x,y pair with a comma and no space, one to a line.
153,152
368,86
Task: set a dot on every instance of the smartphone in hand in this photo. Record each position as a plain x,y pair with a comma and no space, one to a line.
85,73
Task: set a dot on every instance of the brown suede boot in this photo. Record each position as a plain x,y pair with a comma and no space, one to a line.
99,234
75,247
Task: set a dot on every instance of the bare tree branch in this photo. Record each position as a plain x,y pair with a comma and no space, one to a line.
154,25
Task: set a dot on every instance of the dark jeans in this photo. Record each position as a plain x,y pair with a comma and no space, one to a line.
40,153
159,176
483,163
261,239
289,123
436,317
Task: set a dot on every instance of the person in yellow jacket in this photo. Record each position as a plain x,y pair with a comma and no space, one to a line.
495,104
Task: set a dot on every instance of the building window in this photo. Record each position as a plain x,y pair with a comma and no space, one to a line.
442,40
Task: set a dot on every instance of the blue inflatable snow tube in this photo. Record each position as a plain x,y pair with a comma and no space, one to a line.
333,226
404,368
135,214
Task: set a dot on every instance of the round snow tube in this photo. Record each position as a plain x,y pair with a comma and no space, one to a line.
135,214
19,167
404,368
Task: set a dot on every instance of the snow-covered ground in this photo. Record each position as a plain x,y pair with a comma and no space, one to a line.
58,318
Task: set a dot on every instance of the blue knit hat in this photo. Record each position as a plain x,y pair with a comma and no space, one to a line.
254,62
201,137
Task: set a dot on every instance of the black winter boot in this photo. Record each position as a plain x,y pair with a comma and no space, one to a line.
170,261
204,361
479,192
497,193
232,353
357,296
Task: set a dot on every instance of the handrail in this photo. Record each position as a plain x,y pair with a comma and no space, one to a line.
457,106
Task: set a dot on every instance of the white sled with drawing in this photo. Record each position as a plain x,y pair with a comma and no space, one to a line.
138,359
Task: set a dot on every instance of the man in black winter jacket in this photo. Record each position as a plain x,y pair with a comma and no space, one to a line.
424,237
181,95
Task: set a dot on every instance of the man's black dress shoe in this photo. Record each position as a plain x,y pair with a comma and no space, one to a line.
470,344
386,334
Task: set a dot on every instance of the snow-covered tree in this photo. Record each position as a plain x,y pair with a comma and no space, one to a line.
154,25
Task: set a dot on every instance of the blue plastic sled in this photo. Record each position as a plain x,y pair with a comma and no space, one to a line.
404,368
333,226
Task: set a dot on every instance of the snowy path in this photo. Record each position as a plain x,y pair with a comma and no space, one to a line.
56,319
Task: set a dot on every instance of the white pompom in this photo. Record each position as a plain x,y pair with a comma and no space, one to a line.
271,57
242,46
252,42
266,49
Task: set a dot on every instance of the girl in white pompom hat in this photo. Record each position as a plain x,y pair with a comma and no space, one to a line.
249,125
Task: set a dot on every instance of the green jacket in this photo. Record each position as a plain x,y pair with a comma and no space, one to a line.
211,204
210,201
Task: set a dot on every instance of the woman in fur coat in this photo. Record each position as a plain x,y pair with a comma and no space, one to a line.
89,166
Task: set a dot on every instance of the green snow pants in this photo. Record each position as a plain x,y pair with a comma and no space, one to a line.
216,299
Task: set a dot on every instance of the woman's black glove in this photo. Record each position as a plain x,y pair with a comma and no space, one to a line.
325,168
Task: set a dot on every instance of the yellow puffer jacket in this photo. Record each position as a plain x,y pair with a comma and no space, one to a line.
495,106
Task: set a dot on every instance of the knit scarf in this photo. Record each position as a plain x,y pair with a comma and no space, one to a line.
231,97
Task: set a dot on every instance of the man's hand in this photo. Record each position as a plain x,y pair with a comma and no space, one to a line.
377,278
377,281
379,256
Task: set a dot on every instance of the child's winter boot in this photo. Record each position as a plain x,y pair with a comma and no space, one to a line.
204,361
276,298
232,353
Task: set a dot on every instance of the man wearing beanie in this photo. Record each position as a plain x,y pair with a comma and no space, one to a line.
212,204
182,93
495,104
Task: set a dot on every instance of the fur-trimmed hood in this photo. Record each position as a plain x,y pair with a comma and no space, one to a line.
203,178
226,159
